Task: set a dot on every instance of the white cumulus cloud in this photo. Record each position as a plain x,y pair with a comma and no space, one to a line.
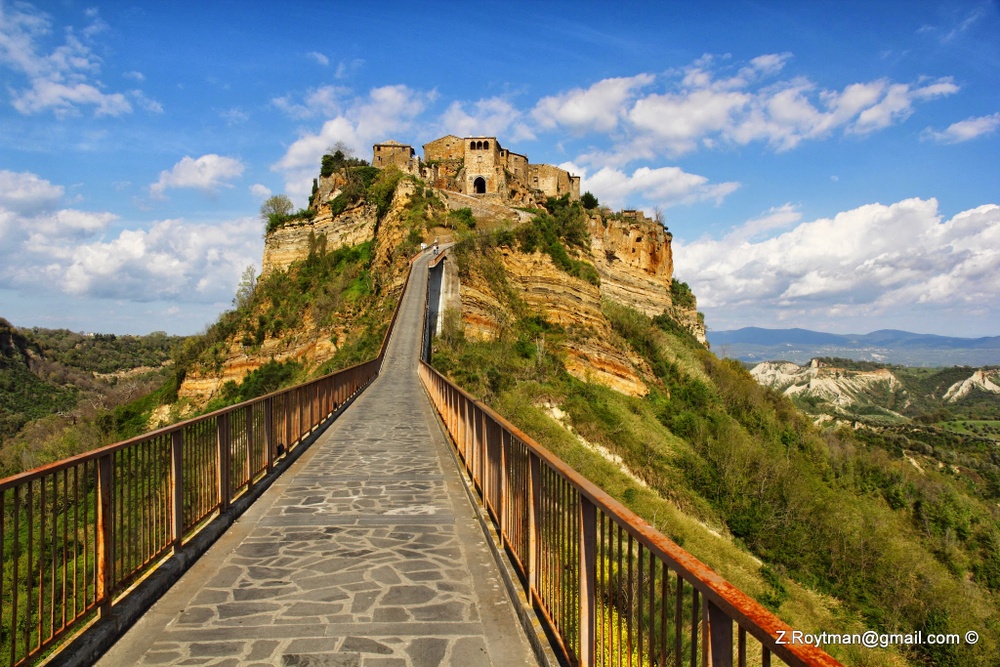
663,186
363,121
171,259
495,117
208,172
965,130
597,108
260,191
47,250
64,79
898,262
24,192
711,103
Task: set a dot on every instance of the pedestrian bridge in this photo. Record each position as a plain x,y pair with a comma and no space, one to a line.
377,516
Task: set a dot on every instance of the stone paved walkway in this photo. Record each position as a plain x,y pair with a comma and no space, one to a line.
367,552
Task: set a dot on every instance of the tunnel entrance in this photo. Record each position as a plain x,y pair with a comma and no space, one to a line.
479,185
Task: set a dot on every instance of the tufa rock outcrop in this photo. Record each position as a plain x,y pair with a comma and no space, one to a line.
631,255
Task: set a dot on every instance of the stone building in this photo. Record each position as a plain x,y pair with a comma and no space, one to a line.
393,152
479,166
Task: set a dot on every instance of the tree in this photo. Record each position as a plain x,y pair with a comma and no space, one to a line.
247,288
588,200
340,147
275,210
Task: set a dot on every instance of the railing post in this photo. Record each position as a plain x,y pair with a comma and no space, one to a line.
269,432
502,509
105,535
223,458
249,423
534,498
288,421
312,406
720,632
588,581
480,422
177,487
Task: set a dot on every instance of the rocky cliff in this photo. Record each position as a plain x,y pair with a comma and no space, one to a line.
634,259
290,243
570,303
838,386
310,343
631,255
634,264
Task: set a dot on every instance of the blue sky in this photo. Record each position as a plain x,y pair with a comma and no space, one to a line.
827,165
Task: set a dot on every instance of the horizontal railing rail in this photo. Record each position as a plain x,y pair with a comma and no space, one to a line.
76,534
611,588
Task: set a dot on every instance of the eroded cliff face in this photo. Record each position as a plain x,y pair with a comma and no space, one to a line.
311,344
632,256
634,261
290,243
574,304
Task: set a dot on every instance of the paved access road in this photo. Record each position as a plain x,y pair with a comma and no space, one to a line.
366,552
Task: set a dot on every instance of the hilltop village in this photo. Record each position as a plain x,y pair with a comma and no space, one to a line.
478,166
463,185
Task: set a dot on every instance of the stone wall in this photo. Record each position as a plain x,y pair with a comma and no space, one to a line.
454,163
395,153
552,181
517,165
449,147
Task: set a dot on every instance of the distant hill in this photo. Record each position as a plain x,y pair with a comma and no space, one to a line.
755,344
51,379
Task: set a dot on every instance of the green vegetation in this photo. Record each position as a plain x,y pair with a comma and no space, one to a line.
358,180
681,295
461,219
62,393
588,201
424,211
25,396
337,161
276,211
270,377
841,513
557,233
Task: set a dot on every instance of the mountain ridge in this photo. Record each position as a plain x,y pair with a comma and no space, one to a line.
755,344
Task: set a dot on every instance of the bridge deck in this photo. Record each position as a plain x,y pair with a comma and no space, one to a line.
366,552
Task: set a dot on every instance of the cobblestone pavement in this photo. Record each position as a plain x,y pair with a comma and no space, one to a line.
367,552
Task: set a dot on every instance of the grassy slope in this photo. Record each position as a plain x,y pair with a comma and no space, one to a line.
857,537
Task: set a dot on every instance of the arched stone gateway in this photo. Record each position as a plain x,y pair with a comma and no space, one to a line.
479,185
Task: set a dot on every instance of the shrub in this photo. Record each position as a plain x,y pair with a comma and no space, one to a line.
462,218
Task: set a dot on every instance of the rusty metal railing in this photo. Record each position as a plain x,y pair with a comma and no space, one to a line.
612,589
76,534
